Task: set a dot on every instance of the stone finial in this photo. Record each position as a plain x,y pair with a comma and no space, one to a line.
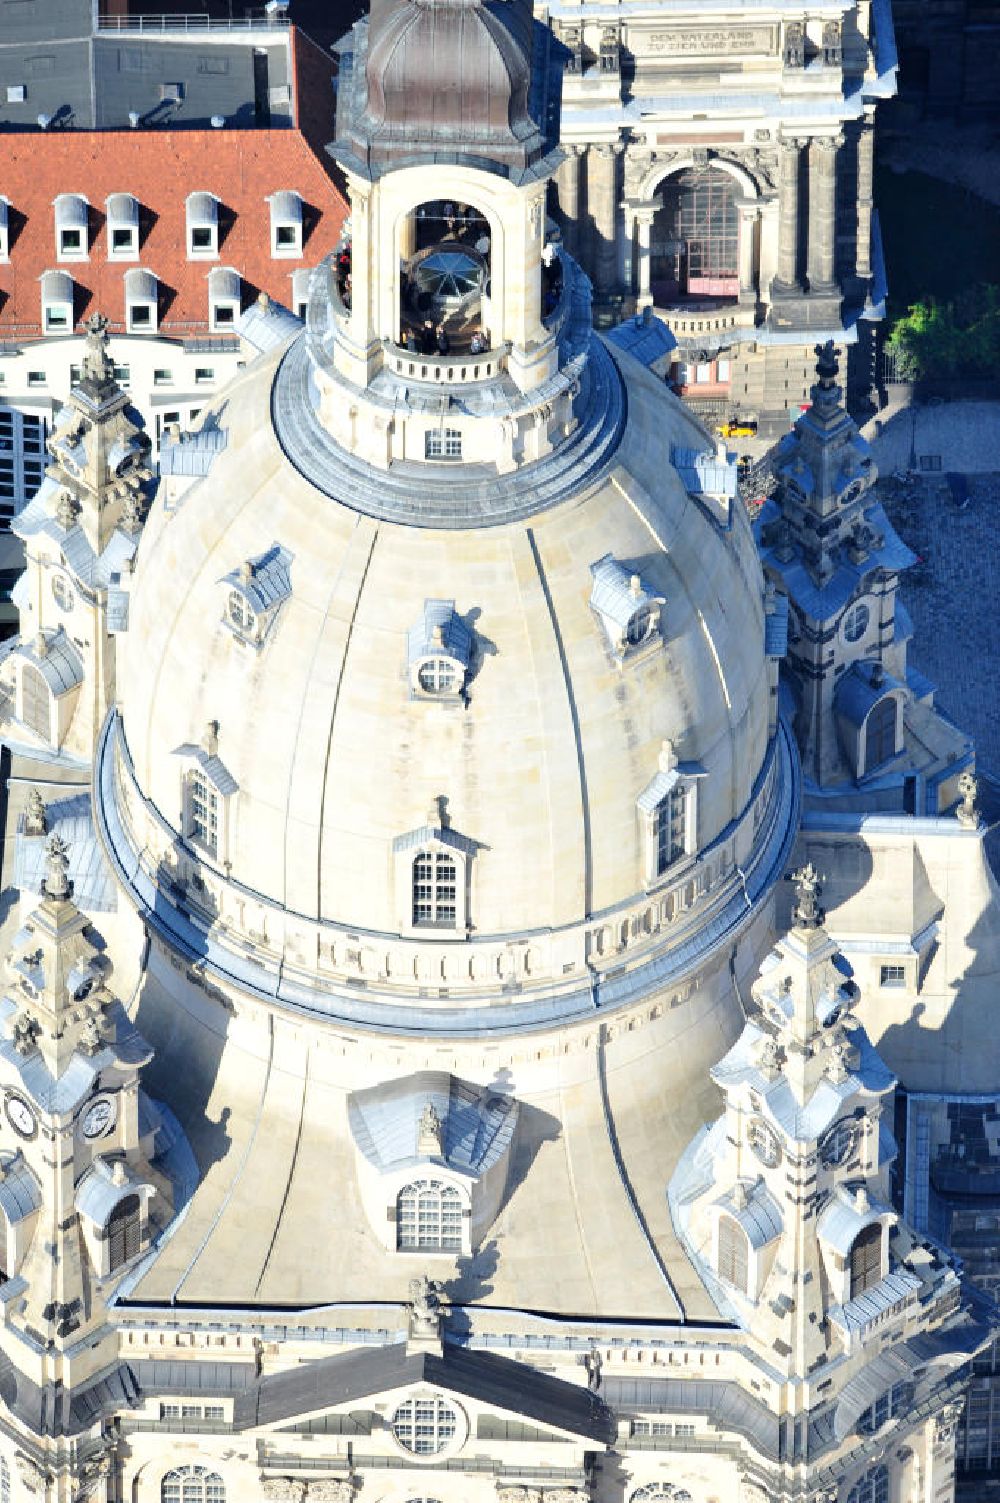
769,1057
668,757
119,1176
246,572
807,914
740,1196
437,636
210,739
430,1134
41,646
97,363
263,301
967,812
67,510
90,1036
635,586
426,1313
862,1204
57,884
35,821
25,1033
827,363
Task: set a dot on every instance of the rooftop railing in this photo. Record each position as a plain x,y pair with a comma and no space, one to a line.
256,20
442,369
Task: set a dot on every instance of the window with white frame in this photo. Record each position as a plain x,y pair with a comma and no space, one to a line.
57,302
435,889
670,828
72,215
122,211
141,298
286,224
443,443
873,1487
733,1253
203,812
425,1426
124,1232
224,294
192,1484
202,213
429,1217
892,975
438,676
668,814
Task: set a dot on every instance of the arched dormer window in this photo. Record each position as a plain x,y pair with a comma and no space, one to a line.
432,867
627,608
429,1216
36,702
124,1232
192,1484
880,733
48,683
439,653
866,1259
255,594
872,1487
733,1264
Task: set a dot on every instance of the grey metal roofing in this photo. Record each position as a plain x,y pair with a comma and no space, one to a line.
122,208
776,627
97,1194
71,211
140,283
704,473
760,1218
841,1222
270,582
646,339
117,610
224,281
213,1379
860,689
286,206
20,1192
57,286
425,834
612,594
824,602
124,1046
726,1405
93,79
656,791
495,1381
456,637
211,765
878,1376
864,1308
477,1123
60,664
267,327
191,454
94,888
79,556
721,925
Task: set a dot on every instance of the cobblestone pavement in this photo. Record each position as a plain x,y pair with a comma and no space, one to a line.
952,523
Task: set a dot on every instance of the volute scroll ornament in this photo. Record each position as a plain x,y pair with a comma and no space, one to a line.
283,1489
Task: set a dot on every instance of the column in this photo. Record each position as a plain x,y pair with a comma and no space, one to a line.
748,211
787,279
822,213
643,216
602,201
866,153
568,192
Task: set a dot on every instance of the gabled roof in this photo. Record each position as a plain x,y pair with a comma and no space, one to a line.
486,1377
613,594
191,454
211,765
268,582
60,664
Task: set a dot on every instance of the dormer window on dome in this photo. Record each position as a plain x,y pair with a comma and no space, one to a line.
433,872
255,593
627,608
207,793
668,814
439,653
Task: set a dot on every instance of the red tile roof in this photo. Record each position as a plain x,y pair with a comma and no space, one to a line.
160,168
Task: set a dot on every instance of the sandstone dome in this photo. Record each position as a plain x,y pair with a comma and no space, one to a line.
333,758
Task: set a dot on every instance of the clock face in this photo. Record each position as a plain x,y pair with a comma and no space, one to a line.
763,1142
838,1145
98,1118
20,1116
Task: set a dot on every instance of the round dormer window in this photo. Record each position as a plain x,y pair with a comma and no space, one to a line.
438,676
763,1142
855,622
639,627
62,592
241,613
425,1426
839,1143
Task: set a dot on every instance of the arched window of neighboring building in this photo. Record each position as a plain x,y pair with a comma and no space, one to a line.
36,702
733,1255
873,1487
429,1217
192,1484
670,828
435,889
880,733
866,1259
124,1232
695,244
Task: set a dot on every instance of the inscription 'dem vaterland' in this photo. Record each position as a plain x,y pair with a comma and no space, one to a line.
710,39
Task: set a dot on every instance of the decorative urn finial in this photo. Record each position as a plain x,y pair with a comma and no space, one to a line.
807,914
57,884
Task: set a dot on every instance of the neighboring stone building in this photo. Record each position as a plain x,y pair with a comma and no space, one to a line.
721,170
501,1138
949,60
164,175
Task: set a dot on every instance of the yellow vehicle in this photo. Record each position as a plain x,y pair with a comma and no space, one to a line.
737,428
